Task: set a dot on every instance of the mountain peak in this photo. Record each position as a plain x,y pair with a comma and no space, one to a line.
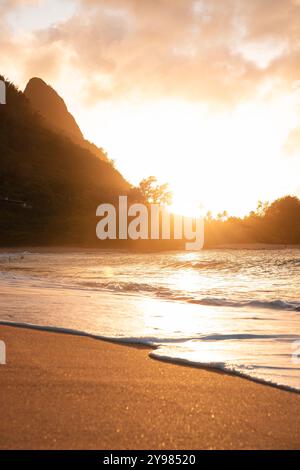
37,81
47,102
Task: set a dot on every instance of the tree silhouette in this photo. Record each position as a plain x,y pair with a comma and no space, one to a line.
154,193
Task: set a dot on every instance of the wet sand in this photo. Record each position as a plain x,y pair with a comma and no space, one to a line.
61,391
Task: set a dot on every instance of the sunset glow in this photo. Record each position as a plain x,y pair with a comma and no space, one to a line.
204,153
207,118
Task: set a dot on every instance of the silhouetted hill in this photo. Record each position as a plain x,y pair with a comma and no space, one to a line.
47,102
60,182
51,106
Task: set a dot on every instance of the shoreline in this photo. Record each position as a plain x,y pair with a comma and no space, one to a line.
112,395
148,347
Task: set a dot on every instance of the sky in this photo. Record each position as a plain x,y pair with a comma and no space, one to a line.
203,94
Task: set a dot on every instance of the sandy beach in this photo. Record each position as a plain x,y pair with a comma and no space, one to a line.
61,391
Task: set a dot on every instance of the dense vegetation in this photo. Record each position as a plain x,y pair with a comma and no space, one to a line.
277,223
60,182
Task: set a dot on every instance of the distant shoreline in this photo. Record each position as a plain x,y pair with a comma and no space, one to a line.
72,249
254,246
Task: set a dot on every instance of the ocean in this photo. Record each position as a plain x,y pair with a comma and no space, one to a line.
232,310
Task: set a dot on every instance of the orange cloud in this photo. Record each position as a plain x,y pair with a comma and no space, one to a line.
211,51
